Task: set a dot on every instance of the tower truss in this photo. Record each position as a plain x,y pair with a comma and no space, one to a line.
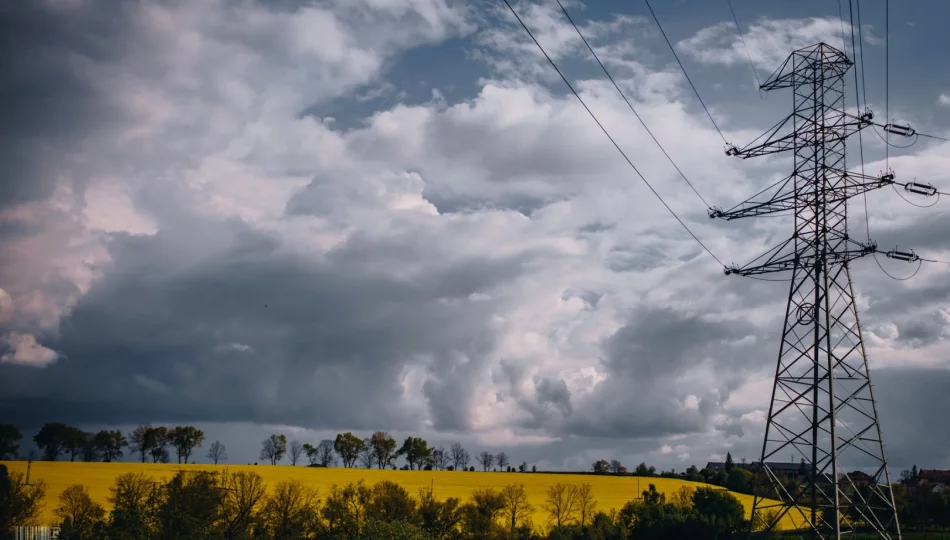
822,407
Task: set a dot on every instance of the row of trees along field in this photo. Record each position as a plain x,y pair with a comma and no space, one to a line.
236,505
153,443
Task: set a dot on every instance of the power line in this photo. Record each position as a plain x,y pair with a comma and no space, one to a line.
660,26
933,137
617,86
758,83
895,278
887,74
602,128
857,104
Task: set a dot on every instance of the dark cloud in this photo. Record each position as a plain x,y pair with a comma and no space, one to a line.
48,101
641,395
217,323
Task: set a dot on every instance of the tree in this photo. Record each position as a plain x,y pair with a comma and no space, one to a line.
20,504
140,441
110,444
89,451
75,441
384,448
217,452
187,508
502,460
9,441
517,507
242,497
523,467
348,447
51,438
157,439
438,518
292,511
273,448
616,467
185,439
296,449
79,516
644,470
561,504
729,463
367,456
325,454
440,458
601,466
416,452
721,511
459,456
311,452
585,502
486,460
479,515
133,497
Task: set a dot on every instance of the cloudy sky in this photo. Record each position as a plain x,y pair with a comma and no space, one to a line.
379,214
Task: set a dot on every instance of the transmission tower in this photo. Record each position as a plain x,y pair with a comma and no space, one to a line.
822,408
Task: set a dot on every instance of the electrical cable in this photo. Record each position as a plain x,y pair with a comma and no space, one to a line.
857,104
939,138
886,273
758,83
630,105
864,84
602,128
912,143
913,203
844,43
684,72
887,75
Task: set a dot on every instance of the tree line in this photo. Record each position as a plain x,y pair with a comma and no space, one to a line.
236,505
56,439
155,443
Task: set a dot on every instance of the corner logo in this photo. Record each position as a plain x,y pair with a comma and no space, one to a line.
37,533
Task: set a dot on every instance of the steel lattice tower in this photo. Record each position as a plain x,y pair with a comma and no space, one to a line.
822,408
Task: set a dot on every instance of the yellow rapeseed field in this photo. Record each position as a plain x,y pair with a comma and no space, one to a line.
611,492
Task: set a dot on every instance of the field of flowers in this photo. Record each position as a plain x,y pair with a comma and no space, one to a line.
611,492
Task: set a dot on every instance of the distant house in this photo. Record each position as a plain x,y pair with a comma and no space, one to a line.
859,478
939,479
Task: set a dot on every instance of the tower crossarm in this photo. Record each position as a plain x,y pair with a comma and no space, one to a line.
793,131
780,259
783,197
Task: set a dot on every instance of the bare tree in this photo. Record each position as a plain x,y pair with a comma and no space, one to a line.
367,455
292,509
242,497
459,456
216,452
517,506
325,453
616,467
296,450
440,458
585,502
561,504
502,460
486,459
